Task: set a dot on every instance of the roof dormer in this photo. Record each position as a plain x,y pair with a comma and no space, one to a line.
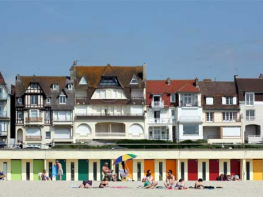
83,81
134,80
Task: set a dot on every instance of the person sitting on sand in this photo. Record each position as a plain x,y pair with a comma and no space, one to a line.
108,173
229,178
44,176
148,181
180,185
104,183
235,178
85,184
199,184
170,179
221,177
2,176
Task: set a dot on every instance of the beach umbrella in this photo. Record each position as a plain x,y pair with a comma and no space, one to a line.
124,158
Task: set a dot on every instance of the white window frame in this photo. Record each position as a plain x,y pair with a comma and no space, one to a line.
48,100
172,98
62,96
83,81
229,100
19,113
193,134
37,113
187,99
209,116
134,80
19,100
34,96
49,134
208,98
249,102
229,116
249,115
54,86
70,86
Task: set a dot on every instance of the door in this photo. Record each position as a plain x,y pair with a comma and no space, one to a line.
149,165
192,170
38,166
257,170
129,167
157,115
171,165
248,170
16,170
235,167
28,171
102,161
20,135
213,169
5,169
204,171
63,164
83,169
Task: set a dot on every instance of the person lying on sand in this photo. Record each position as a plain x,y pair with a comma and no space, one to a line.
85,185
199,184
170,180
104,183
148,181
180,185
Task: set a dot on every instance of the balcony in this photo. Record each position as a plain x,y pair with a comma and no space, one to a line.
3,114
3,133
157,104
254,139
34,119
62,121
194,104
160,120
254,118
110,115
33,138
3,97
108,134
189,119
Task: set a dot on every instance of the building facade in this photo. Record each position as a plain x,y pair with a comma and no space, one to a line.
5,113
250,92
44,110
221,117
110,102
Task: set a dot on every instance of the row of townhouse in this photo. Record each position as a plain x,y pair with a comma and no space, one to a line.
114,102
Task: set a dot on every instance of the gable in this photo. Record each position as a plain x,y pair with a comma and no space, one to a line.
134,80
83,81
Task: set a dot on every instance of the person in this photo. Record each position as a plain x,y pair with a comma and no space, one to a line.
108,173
148,181
44,176
180,185
60,170
221,177
235,178
2,176
199,184
104,183
85,184
170,179
228,178
123,172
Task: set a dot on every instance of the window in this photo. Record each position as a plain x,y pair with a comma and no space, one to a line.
70,86
250,98
209,117
173,114
54,86
33,113
102,94
190,129
250,114
33,86
19,100
187,99
48,135
19,115
83,81
229,100
48,100
229,116
134,80
109,81
1,91
62,99
209,100
172,98
34,99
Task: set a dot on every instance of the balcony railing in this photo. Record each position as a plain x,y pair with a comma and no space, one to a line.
159,120
3,113
108,134
190,119
62,119
108,114
3,133
157,104
34,119
194,104
253,139
33,138
253,118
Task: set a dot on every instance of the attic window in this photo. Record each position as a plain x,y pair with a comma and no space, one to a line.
209,100
134,80
33,86
48,100
70,86
83,81
109,81
54,86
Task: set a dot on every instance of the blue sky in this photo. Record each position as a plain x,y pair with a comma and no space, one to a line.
204,39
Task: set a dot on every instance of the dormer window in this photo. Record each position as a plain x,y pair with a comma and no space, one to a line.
229,100
209,100
54,86
48,100
19,100
62,99
33,86
134,80
109,81
70,86
172,98
83,81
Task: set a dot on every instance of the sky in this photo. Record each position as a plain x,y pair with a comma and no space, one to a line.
176,39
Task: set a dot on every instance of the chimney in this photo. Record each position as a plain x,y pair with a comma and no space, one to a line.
261,76
73,71
168,81
144,72
196,82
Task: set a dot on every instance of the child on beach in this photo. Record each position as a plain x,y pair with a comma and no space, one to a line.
148,181
180,185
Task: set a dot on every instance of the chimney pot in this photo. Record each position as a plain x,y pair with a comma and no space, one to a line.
261,76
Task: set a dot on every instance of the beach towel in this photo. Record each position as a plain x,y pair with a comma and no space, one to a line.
209,187
119,187
54,170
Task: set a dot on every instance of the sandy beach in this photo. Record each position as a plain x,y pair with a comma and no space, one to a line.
57,189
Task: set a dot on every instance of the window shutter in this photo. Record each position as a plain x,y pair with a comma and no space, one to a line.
223,100
234,100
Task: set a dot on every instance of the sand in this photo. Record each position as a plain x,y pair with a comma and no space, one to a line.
48,189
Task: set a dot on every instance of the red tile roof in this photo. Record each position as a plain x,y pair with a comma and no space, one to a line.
2,81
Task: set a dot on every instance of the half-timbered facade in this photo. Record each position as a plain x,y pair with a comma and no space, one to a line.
110,102
44,110
4,113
